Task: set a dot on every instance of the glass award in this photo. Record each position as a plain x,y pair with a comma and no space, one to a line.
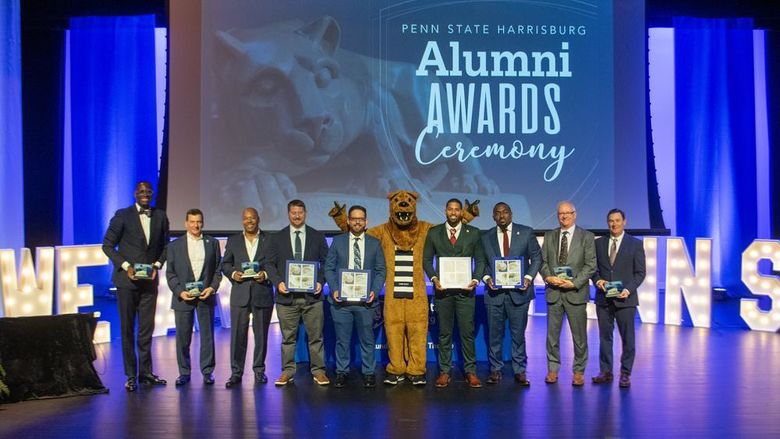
194,289
454,272
508,272
355,285
564,272
614,288
143,271
301,276
250,269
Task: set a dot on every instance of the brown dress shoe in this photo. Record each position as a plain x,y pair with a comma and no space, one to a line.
284,379
494,377
321,379
625,380
522,380
551,378
603,377
578,380
473,381
443,380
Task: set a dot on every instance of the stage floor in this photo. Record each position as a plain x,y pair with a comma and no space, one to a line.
687,382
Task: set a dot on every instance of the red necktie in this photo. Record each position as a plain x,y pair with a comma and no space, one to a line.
453,239
506,244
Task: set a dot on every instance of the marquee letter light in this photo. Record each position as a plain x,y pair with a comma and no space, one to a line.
35,296
70,294
694,282
648,290
759,284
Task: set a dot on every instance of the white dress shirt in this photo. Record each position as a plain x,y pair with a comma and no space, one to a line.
196,249
362,246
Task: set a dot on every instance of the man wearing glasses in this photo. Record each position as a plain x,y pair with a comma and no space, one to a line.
355,251
568,262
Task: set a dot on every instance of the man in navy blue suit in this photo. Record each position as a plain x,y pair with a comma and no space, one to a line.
620,257
248,296
509,240
137,235
194,258
355,251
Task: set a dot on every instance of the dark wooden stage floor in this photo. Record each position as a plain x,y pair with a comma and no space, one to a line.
687,382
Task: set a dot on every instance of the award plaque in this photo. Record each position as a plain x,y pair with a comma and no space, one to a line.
194,288
301,276
143,271
454,272
355,285
250,269
564,272
614,288
508,272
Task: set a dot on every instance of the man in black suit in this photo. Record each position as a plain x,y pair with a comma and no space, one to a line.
137,235
620,257
250,295
509,240
453,238
194,258
303,243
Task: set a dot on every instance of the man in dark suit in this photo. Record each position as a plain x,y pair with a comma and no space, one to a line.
194,258
355,251
620,257
248,296
137,235
303,243
568,262
453,238
509,240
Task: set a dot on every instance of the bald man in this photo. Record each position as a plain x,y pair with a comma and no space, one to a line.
251,293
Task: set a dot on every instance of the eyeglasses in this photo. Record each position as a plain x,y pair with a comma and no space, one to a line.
571,212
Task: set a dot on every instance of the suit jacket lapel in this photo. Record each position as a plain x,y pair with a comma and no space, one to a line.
286,250
514,243
185,243
494,241
556,245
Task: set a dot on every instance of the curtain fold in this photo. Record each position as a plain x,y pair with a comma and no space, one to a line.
716,141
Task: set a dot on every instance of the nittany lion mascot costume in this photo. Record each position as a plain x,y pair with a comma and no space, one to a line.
406,297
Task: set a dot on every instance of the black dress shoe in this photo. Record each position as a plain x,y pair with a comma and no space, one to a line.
260,378
369,380
152,379
208,379
182,380
131,384
341,380
234,381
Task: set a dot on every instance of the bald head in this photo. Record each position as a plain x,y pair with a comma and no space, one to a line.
251,221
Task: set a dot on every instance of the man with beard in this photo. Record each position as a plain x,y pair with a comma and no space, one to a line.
249,295
455,239
509,240
137,235
355,251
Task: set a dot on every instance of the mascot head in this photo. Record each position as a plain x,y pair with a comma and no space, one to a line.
403,208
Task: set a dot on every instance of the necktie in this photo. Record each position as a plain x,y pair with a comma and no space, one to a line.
612,252
298,246
505,244
563,255
357,259
453,239
147,212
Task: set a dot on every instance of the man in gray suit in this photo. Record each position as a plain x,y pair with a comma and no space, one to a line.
568,262
621,257
194,258
509,240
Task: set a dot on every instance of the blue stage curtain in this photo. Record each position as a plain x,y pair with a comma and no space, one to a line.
11,170
715,140
113,121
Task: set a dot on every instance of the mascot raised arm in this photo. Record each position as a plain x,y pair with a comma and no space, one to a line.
406,297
